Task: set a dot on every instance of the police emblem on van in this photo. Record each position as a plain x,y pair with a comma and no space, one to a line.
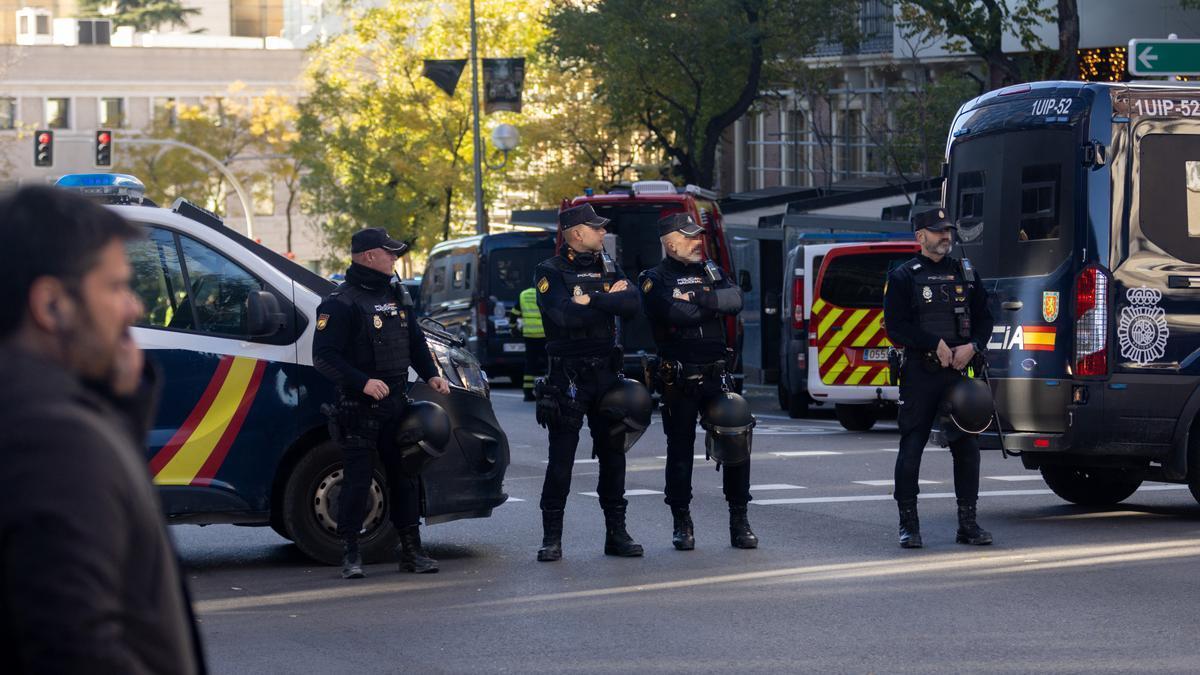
1142,329
1050,304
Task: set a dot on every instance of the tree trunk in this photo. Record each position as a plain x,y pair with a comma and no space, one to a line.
1068,39
446,217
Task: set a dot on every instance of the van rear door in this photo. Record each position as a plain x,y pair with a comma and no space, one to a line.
1013,195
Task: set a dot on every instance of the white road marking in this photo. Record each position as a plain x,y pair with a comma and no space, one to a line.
577,461
1014,479
897,450
628,493
514,499
777,486
805,453
890,482
935,495
696,457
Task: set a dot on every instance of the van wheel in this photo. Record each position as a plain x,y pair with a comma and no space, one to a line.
310,502
1088,486
856,417
782,393
797,406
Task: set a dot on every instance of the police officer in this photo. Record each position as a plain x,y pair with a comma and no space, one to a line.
936,309
365,341
687,302
535,339
580,292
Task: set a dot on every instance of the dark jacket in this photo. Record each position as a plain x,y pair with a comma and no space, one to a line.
686,330
572,329
89,582
900,305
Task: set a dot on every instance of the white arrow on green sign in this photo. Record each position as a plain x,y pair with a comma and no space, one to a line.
1164,57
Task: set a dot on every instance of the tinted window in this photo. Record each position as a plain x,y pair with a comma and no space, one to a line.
856,281
218,289
158,281
510,271
970,204
1039,202
1169,193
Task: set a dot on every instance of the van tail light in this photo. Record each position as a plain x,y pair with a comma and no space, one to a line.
481,319
1091,322
798,302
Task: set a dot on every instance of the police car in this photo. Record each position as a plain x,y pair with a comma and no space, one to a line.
239,436
1079,204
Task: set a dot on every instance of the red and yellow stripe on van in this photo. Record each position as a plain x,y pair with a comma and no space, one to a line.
842,338
198,448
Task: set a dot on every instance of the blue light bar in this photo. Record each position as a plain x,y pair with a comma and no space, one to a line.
110,188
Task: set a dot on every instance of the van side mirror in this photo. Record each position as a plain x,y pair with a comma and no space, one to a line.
744,281
264,318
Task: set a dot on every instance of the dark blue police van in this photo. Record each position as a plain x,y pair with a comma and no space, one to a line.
1079,204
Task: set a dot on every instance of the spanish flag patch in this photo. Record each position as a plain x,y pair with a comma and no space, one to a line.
322,321
543,285
647,285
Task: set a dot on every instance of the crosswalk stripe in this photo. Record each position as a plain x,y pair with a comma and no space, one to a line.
889,482
933,495
777,486
1014,479
628,493
805,453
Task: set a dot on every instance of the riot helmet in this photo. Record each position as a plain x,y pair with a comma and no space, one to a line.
419,436
968,406
627,406
728,422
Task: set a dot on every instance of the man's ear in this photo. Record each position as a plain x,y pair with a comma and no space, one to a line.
50,306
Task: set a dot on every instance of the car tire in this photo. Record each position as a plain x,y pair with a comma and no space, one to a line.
309,507
782,393
1193,459
1089,486
856,417
797,407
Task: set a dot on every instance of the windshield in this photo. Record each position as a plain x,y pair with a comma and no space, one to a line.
511,270
856,281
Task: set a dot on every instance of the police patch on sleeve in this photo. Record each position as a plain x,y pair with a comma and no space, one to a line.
543,285
647,285
322,321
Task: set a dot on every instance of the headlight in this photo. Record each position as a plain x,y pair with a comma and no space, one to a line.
459,368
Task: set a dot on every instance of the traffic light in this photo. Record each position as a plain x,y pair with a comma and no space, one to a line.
103,148
43,147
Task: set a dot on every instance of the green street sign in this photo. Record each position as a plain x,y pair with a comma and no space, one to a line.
1164,57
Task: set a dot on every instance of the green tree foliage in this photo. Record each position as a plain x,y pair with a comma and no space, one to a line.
688,69
144,15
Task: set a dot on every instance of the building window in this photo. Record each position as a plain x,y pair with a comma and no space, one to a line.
58,113
851,142
8,112
214,107
163,111
798,148
112,113
256,18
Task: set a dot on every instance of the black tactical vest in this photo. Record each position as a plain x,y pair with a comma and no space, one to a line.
381,343
580,280
678,281
940,299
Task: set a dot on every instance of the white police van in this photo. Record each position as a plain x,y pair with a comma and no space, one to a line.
239,436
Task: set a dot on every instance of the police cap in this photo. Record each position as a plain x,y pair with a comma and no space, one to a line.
933,219
376,237
583,214
681,223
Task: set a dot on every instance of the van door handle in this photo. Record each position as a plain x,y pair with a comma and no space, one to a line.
771,311
1012,305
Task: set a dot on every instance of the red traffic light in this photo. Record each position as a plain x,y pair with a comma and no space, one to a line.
43,137
103,137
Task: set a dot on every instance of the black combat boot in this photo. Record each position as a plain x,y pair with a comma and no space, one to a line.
351,561
551,549
412,556
616,540
910,527
684,538
740,534
969,531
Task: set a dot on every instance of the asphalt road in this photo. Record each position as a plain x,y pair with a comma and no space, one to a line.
1064,589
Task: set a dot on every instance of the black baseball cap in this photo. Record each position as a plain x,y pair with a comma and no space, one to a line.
681,223
933,219
376,237
581,215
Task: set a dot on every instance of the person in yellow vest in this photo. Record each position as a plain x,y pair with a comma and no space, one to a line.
535,339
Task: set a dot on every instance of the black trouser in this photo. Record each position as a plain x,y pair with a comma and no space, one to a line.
681,404
535,361
921,393
359,424
590,385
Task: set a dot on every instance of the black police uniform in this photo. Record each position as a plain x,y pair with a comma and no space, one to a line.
693,357
366,330
584,363
926,302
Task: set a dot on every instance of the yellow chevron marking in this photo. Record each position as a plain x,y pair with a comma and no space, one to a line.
882,378
858,374
868,334
186,463
838,367
826,322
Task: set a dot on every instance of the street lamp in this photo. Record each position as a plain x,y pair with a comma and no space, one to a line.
505,137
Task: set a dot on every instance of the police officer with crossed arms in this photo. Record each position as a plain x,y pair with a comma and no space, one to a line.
687,301
580,292
935,308
366,339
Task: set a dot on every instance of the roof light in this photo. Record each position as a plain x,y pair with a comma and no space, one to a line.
109,188
653,187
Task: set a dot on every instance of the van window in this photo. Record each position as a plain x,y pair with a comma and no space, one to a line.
158,281
511,270
1169,193
218,288
462,275
856,281
970,205
1039,202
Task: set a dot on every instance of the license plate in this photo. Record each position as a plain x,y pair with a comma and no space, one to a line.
875,354
514,347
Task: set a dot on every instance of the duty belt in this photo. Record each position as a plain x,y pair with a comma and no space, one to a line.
580,363
673,371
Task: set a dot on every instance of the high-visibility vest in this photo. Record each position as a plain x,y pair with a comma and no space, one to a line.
530,316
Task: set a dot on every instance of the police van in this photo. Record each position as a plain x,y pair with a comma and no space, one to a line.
1079,204
239,436
843,318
